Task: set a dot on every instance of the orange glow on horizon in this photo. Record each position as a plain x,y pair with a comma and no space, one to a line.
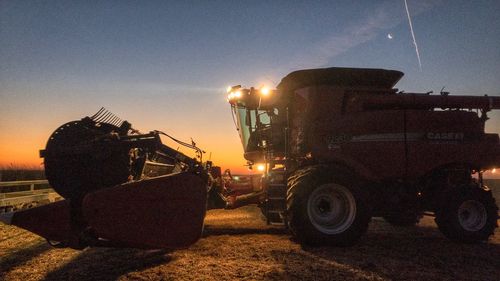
25,153
20,154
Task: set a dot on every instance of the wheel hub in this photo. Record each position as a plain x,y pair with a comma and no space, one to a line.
324,207
472,215
331,208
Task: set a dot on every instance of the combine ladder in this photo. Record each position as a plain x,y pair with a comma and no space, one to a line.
276,198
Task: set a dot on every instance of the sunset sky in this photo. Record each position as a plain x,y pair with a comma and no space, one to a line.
165,64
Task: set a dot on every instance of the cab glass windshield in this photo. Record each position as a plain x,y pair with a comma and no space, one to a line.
249,121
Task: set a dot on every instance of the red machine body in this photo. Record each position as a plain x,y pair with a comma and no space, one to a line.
342,145
165,212
389,135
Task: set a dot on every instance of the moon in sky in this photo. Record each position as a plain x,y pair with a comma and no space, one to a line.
389,36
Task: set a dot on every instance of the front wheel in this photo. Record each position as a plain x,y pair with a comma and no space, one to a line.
324,209
468,216
331,208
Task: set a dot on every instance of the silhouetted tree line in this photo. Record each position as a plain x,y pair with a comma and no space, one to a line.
21,174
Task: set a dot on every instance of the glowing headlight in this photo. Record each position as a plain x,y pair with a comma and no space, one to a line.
494,170
233,95
228,89
261,167
264,91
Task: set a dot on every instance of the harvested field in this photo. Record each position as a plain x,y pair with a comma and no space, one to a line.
237,245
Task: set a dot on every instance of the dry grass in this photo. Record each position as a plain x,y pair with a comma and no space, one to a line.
239,246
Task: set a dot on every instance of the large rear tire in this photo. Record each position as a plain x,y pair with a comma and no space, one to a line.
468,215
326,207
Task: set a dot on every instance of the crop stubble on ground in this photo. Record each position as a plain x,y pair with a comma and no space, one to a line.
237,245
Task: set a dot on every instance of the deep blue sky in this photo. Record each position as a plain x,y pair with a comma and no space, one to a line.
165,64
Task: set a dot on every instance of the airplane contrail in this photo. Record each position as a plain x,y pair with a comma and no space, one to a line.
413,35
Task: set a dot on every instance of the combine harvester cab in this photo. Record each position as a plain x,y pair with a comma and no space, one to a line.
121,188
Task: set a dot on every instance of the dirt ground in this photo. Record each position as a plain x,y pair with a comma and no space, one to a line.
238,245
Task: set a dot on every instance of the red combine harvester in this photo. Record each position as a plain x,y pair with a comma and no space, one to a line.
338,146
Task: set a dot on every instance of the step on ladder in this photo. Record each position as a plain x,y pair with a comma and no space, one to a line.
276,199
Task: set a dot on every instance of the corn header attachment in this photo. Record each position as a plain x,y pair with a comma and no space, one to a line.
121,188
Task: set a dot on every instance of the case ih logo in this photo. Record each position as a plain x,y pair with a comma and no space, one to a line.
445,136
339,139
